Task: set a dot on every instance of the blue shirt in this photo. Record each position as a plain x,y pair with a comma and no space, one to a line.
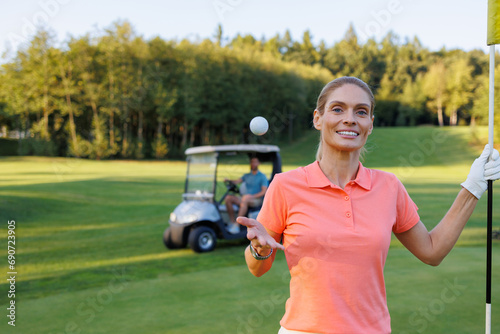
254,183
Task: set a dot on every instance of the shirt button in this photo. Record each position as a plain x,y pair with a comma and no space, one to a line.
346,198
348,214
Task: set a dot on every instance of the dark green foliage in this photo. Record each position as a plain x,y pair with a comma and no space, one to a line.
8,147
118,95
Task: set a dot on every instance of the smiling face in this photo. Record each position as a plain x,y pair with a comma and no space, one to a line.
347,118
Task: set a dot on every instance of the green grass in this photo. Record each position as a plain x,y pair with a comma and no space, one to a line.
90,257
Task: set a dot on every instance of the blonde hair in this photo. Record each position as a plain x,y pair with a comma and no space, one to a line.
332,86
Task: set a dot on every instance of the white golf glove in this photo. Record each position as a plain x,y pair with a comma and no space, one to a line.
481,171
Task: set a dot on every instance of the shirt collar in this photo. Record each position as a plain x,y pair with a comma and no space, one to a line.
317,179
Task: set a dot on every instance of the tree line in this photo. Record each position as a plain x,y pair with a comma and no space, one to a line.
118,95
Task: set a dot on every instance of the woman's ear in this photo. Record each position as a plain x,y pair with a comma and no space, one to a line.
317,120
371,127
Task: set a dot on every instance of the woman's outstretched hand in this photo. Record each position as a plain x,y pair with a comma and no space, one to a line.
258,236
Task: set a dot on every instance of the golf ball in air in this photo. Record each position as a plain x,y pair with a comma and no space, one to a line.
259,125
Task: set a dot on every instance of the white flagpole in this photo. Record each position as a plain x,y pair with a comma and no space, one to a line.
490,190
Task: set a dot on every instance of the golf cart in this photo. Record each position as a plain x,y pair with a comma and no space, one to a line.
201,218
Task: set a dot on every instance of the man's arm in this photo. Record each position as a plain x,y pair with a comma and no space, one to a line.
237,181
261,193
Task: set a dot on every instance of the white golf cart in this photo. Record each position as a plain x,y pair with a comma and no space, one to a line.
201,218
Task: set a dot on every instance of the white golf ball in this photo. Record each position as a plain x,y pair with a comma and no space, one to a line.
259,125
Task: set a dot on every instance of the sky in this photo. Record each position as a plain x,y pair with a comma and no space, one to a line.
437,23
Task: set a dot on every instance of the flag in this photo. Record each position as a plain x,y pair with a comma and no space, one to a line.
493,22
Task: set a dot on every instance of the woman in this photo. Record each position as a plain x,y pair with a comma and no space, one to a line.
335,218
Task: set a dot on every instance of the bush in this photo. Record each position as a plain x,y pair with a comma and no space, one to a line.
81,149
386,113
8,146
100,143
160,147
35,146
139,150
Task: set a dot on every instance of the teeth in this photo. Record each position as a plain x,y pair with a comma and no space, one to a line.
347,133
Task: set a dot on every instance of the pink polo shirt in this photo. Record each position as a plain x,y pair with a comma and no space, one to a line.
336,244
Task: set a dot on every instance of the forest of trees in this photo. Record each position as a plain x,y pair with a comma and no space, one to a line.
118,95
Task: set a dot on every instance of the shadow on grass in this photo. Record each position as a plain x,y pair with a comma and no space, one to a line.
56,203
180,262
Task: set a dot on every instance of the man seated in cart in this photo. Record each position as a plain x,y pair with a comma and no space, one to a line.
252,191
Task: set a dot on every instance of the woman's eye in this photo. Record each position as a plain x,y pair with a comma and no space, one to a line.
362,112
336,110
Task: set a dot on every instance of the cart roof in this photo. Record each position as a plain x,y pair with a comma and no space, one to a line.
233,148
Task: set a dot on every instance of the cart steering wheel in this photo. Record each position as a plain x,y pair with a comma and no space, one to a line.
231,186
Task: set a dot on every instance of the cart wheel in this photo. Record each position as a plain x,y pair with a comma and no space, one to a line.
169,243
202,239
